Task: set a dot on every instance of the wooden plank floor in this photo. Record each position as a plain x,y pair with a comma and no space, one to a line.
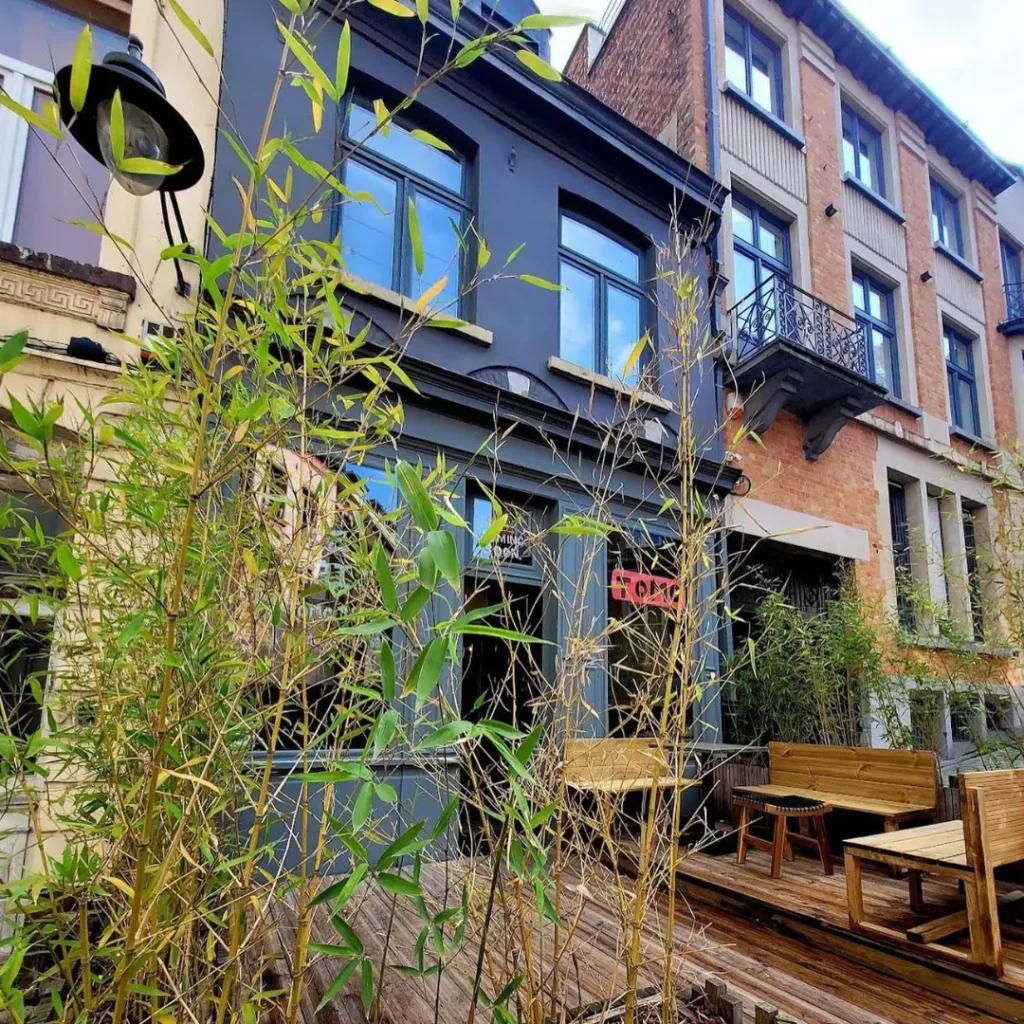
806,983
804,895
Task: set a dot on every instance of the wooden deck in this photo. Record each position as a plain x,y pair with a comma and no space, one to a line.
807,982
807,905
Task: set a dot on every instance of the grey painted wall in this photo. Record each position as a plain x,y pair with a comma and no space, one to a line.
526,159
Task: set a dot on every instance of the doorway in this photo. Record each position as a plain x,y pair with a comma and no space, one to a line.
502,682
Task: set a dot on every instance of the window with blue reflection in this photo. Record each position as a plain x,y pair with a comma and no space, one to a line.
962,382
379,487
601,314
946,229
399,170
875,312
862,151
753,63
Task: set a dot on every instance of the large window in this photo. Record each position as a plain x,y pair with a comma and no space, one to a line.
760,253
876,315
901,555
601,317
862,151
24,657
753,63
963,384
401,171
40,195
946,229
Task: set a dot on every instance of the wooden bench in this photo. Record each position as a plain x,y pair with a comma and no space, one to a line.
618,765
894,784
990,836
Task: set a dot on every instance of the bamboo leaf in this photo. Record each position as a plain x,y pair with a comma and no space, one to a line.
415,238
430,294
339,982
131,631
384,577
29,115
11,348
399,885
416,497
634,354
361,806
540,67
306,59
441,545
344,61
445,735
81,69
423,10
430,140
192,28
399,10
482,629
540,282
430,668
117,128
387,670
143,165
67,561
535,21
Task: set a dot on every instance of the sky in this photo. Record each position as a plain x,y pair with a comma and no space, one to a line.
968,52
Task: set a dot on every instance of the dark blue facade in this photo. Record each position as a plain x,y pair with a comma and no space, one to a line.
530,149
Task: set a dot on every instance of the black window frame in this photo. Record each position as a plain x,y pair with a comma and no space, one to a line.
956,373
606,277
902,556
750,33
407,184
764,319
887,327
940,196
860,126
969,515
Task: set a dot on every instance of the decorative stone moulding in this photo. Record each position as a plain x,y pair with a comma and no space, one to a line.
57,285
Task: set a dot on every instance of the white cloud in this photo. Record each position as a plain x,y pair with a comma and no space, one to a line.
968,54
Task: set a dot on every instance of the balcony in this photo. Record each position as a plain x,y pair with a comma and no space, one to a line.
1013,322
793,351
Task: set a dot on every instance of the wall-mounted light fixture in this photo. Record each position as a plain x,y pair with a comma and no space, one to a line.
153,130
926,276
831,210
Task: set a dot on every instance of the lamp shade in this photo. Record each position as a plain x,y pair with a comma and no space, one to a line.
153,126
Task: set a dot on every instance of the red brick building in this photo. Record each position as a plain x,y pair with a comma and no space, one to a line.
870,341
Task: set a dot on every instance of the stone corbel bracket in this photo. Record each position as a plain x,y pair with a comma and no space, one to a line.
56,285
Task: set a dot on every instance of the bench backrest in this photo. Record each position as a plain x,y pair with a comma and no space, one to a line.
615,758
895,776
992,806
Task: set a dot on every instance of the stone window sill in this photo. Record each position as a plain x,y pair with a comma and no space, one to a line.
599,380
773,122
403,303
904,406
958,260
880,201
973,439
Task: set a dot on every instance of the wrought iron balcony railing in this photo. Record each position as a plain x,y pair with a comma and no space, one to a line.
1014,292
778,309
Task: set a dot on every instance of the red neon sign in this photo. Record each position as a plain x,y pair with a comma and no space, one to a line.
645,588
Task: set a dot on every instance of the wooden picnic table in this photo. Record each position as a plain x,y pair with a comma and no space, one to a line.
990,835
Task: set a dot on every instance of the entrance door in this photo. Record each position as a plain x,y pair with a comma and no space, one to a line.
501,682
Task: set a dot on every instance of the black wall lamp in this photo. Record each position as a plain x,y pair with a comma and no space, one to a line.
926,276
831,210
153,130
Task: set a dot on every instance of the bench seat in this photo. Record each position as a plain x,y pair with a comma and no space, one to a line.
891,810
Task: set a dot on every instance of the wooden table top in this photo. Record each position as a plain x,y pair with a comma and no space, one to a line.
941,843
630,785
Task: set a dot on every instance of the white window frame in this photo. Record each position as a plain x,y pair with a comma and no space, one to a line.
20,82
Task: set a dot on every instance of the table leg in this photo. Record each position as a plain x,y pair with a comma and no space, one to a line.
823,850
741,846
854,893
916,895
778,845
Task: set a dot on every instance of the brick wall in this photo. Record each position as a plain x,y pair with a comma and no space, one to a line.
651,70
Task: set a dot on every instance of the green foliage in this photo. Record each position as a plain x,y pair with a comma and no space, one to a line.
810,679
